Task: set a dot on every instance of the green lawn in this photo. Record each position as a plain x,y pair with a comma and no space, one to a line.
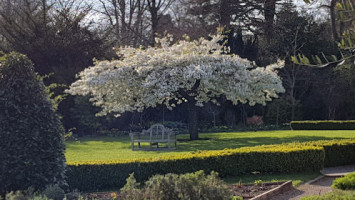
116,148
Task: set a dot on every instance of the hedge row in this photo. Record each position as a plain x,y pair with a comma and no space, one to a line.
90,176
323,125
285,158
337,152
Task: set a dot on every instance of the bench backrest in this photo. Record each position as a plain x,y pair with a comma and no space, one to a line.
158,132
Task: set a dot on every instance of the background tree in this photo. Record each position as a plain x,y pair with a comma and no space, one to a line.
31,145
125,21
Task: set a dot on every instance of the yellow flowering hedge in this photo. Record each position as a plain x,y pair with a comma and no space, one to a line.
337,152
295,157
284,158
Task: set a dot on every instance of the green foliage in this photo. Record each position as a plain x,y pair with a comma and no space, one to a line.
346,12
31,145
18,195
279,111
24,195
192,186
324,125
83,113
285,158
337,152
345,183
53,91
337,195
54,192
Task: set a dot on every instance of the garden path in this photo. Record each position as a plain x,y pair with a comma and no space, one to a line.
318,186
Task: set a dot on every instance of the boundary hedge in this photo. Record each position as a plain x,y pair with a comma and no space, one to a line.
91,176
323,125
337,152
284,158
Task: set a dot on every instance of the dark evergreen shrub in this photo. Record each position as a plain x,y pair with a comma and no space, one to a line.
31,135
323,125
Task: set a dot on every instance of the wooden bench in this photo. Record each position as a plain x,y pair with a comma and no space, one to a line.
156,134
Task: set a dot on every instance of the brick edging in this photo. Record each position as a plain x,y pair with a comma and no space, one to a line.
275,191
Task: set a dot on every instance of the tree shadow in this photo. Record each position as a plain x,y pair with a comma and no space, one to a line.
207,142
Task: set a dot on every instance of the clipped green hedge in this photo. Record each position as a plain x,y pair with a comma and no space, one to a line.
345,183
295,157
323,125
337,152
284,158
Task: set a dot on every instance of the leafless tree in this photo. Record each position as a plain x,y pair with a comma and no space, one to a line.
126,20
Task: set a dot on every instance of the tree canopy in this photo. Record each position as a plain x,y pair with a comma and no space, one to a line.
187,71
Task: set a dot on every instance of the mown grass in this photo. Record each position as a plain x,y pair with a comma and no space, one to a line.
119,148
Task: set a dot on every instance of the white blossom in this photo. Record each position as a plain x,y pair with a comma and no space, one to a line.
147,77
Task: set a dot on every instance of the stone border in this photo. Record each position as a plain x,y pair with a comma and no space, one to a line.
275,191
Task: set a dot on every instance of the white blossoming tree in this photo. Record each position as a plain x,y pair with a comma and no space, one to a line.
192,72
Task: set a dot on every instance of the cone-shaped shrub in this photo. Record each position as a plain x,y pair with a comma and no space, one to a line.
31,136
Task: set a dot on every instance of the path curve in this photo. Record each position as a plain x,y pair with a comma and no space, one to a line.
318,186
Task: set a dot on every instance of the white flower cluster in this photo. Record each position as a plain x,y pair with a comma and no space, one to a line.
171,74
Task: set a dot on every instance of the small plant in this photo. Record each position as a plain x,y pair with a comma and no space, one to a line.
345,183
258,182
237,198
18,195
239,184
54,192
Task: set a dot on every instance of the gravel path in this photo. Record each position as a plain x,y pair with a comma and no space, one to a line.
318,187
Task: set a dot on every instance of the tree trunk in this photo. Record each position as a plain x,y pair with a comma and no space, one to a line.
269,14
193,119
333,20
153,10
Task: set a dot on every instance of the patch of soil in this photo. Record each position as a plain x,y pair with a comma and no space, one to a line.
251,190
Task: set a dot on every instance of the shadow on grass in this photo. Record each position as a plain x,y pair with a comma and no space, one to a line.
230,143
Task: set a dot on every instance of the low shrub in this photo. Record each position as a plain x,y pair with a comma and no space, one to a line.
323,125
54,192
337,195
24,195
345,183
89,176
192,186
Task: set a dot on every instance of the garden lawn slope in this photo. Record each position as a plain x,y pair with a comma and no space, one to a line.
119,148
